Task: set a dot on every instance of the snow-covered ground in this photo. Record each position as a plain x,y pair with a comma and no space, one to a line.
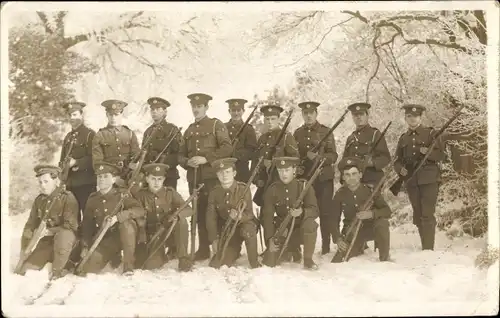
443,282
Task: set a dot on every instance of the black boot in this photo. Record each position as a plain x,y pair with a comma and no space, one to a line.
171,253
325,249
252,254
428,236
297,255
202,254
185,264
310,264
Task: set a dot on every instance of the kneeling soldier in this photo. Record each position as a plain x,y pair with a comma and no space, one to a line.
160,202
279,200
121,236
348,199
60,210
222,202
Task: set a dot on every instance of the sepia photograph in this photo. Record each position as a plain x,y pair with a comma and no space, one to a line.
250,159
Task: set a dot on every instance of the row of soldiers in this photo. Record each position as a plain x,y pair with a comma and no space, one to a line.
220,157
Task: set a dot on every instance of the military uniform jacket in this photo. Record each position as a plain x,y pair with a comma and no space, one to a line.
161,136
280,198
101,205
82,173
307,138
220,203
408,153
358,144
245,148
64,212
116,145
206,138
349,203
287,147
159,206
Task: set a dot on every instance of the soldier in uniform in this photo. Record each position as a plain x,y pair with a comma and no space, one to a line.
124,232
247,141
160,202
307,137
61,210
159,134
279,199
287,147
222,205
348,200
205,141
116,143
423,188
81,178
358,144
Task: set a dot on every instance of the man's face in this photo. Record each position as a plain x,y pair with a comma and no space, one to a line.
309,116
114,119
76,118
155,183
158,113
287,174
226,176
352,177
413,120
105,181
47,184
271,122
360,118
199,111
236,113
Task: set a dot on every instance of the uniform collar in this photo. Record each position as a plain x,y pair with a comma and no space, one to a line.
205,118
417,130
232,188
356,190
292,183
110,192
162,122
160,193
362,128
78,129
236,122
314,126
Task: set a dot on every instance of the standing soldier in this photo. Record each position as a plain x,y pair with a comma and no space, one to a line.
423,188
287,147
222,204
205,141
81,178
358,144
307,137
116,143
158,136
247,141
160,202
348,199
121,236
60,209
279,199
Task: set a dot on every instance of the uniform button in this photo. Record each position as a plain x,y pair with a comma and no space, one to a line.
308,146
356,147
46,210
197,133
413,146
308,138
48,201
230,132
286,190
227,202
118,148
354,197
103,201
227,193
157,206
287,198
413,153
105,210
198,149
197,126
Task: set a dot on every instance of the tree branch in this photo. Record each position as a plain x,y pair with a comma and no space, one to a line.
45,22
374,44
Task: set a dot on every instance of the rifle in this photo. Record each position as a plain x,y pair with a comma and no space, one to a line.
235,140
194,218
322,142
259,194
413,168
134,178
162,228
227,233
103,229
283,230
37,235
65,163
356,224
172,136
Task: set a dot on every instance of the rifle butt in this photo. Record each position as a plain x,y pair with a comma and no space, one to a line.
270,258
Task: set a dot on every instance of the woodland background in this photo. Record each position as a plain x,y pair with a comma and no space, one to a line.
436,58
